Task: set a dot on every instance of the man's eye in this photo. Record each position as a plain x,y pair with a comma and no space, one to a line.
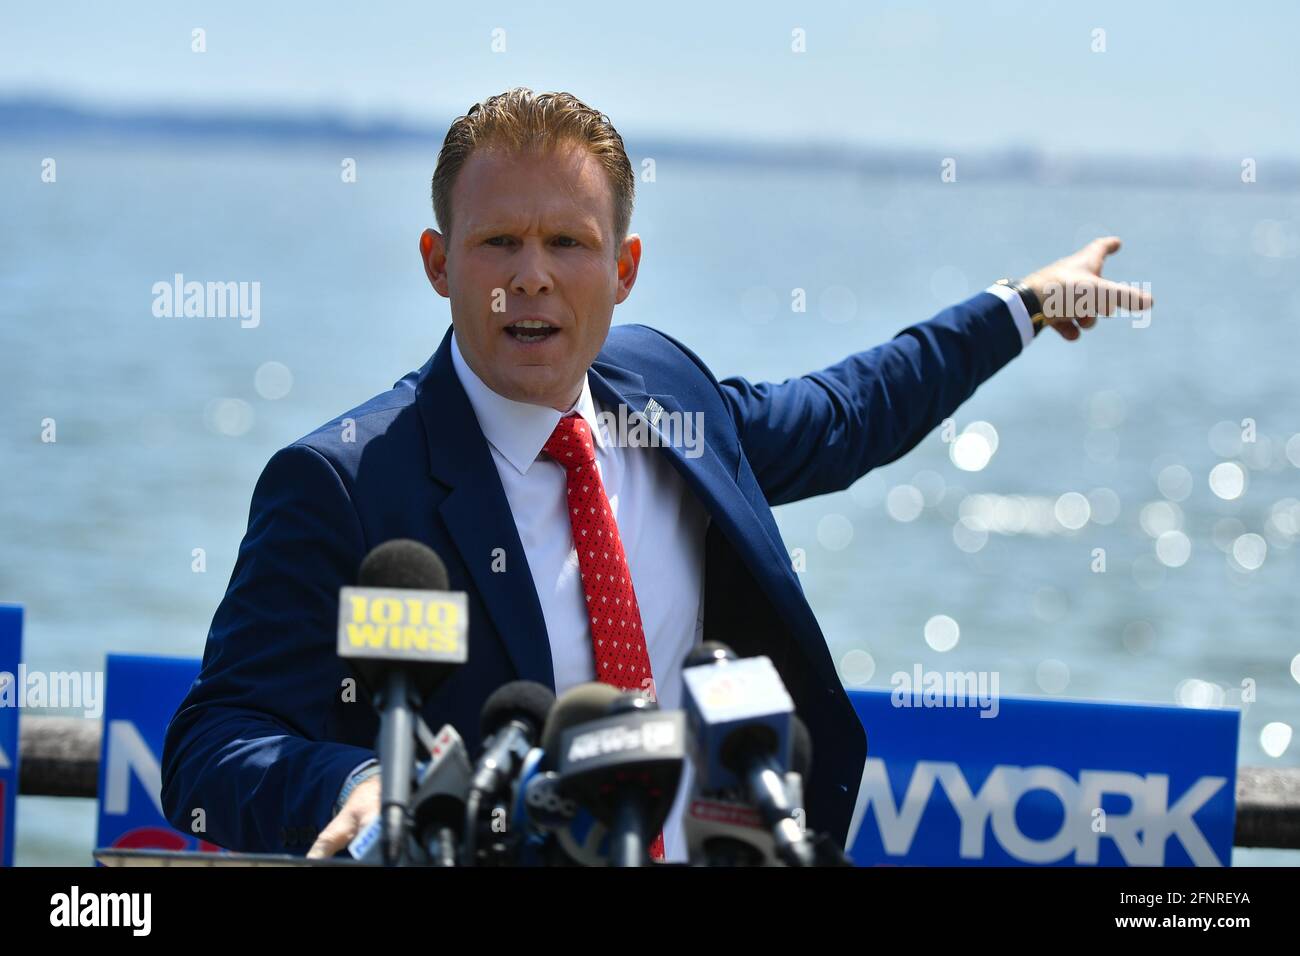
568,239
498,240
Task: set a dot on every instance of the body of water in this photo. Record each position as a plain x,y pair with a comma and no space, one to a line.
1111,442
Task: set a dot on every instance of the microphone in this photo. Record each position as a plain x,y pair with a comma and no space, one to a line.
438,803
404,633
741,718
560,833
722,829
565,833
551,829
624,767
441,796
556,830
577,705
511,722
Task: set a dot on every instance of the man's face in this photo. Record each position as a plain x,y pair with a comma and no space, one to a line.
532,240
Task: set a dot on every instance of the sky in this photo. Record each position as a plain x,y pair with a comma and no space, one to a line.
1174,79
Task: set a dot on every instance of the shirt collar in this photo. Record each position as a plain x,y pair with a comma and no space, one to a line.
518,430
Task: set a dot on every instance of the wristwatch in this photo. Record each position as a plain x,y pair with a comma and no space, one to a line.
359,774
1030,299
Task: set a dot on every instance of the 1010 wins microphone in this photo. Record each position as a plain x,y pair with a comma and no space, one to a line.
404,633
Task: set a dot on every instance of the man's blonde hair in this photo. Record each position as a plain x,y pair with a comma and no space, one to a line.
522,121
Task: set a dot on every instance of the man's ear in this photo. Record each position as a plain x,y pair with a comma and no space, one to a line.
629,261
433,252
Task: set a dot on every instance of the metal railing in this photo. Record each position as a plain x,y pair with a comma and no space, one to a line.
60,758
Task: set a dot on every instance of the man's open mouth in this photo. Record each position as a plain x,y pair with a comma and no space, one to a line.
530,330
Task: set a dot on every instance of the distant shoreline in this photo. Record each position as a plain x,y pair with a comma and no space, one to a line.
36,117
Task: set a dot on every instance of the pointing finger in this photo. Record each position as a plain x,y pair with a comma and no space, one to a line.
1107,244
1116,295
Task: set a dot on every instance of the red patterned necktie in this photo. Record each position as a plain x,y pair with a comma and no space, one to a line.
617,639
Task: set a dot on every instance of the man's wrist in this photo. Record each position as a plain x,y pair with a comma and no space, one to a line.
359,774
1034,288
1017,308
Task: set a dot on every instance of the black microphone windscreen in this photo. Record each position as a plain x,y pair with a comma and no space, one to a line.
525,700
575,706
709,652
403,563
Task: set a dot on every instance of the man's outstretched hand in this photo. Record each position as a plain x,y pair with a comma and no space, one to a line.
1073,293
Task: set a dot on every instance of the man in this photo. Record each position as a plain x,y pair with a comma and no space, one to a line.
481,454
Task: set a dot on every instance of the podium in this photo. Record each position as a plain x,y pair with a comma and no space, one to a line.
110,857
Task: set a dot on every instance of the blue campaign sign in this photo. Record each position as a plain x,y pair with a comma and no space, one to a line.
141,695
1026,781
11,652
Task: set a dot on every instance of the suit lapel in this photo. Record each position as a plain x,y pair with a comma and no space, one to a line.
478,518
716,487
705,475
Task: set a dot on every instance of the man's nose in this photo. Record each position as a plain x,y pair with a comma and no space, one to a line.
532,271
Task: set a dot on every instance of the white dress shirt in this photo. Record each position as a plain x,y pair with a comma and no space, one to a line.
661,524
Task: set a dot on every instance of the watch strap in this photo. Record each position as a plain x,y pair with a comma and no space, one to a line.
1030,299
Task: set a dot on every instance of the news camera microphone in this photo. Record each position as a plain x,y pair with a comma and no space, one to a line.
555,830
577,705
552,829
723,829
404,633
511,722
563,831
624,768
438,806
440,797
741,719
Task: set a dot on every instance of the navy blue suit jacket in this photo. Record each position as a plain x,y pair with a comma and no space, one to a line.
264,740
